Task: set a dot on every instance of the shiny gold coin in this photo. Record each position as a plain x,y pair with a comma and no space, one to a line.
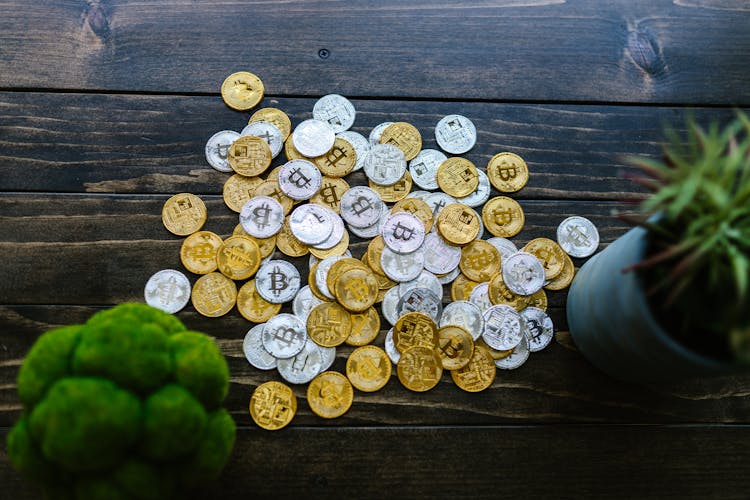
339,161
266,245
339,249
499,293
457,177
331,191
368,368
384,282
480,261
419,369
313,285
478,374
565,277
415,329
242,90
249,155
374,251
356,289
238,258
394,192
507,172
549,253
198,252
238,190
458,224
365,327
405,137
272,189
184,214
503,216
417,207
291,152
329,324
381,296
273,405
461,287
253,307
538,299
214,295
330,395
455,347
340,267
276,117
496,355
289,244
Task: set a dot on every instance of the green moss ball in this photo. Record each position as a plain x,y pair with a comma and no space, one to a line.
200,367
213,450
173,421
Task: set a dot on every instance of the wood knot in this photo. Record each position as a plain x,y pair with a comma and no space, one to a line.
644,51
96,16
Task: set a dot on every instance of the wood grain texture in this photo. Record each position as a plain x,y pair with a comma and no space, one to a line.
553,50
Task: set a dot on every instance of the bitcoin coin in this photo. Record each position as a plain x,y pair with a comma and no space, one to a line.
416,207
365,327
361,207
502,327
440,256
311,223
252,306
368,368
361,146
384,164
504,246
275,116
480,261
277,281
313,138
537,327
479,296
455,134
462,287
262,217
238,190
499,293
288,244
458,224
266,245
374,252
214,295
291,152
340,267
376,228
330,395
403,232
390,348
273,406
321,275
549,253
394,192
419,369
304,302
464,314
242,90
339,160
356,289
389,305
480,195
199,250
516,358
565,277
425,280
478,374
455,347
217,149
337,233
249,155
424,167
168,290
507,172
457,177
268,132
254,351
415,329
402,267
329,324
538,299
404,136
503,217
271,189
421,300
238,258
284,336
184,214
303,366
376,132
330,193
523,273
335,110
578,236
313,285
299,179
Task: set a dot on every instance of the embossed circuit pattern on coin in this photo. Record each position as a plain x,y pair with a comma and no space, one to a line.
424,167
184,214
385,164
335,110
168,290
268,132
249,155
502,327
214,295
455,134
273,405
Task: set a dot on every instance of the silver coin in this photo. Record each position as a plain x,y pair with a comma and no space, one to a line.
313,138
421,300
284,336
335,110
523,273
361,207
312,260
299,179
482,193
516,358
537,327
376,132
390,348
439,256
328,355
389,306
455,134
304,366
578,236
422,195
262,217
403,232
385,164
424,166
304,302
321,275
425,280
268,132
370,232
504,246
438,201
277,281
256,354
480,233
361,146
402,267
217,149
450,277
311,224
464,314
337,233
168,290
502,327
480,296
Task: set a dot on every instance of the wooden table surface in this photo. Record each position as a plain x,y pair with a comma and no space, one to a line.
105,108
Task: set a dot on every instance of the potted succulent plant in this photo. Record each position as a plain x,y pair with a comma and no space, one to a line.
669,299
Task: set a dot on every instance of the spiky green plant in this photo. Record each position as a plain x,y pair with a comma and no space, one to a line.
698,220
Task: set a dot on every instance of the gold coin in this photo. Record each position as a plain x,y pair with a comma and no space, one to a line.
329,324
339,249
455,347
198,252
291,152
238,190
549,253
417,207
478,374
458,224
273,175
184,214
381,296
365,327
276,117
331,191
565,277
214,295
340,267
288,243
330,395
419,369
374,251
538,299
394,192
503,216
242,91
414,329
496,355
507,172
457,177
480,261
266,245
253,307
384,282
405,137
339,160
356,289
249,155
238,258
273,405
368,368
499,293
461,287
272,189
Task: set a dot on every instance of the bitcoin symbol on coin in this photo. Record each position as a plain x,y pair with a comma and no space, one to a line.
223,151
298,178
401,232
361,205
503,217
329,195
279,281
507,172
284,335
261,215
335,155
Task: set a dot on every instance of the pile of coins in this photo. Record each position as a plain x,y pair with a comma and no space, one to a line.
428,239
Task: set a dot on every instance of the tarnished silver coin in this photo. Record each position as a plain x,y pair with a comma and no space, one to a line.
450,277
423,168
168,290
361,146
537,327
311,223
321,275
299,179
403,232
425,280
256,354
313,138
464,314
455,134
482,193
504,246
440,257
390,348
421,300
268,132
377,131
437,201
502,327
361,206
402,266
578,236
336,110
375,229
516,358
389,306
385,164
304,302
523,273
217,149
277,281
336,234
262,217
284,336
480,296
303,366
328,356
